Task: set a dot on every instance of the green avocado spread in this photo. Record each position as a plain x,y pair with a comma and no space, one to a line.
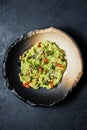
42,66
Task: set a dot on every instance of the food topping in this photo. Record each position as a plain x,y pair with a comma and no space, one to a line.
42,66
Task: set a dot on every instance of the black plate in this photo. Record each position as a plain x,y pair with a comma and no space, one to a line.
11,67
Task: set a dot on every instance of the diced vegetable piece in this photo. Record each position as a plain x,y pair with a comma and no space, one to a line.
51,84
59,65
27,84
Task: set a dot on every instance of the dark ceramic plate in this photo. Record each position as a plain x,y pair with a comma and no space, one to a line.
43,97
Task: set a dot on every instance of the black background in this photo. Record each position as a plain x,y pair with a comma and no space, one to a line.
20,16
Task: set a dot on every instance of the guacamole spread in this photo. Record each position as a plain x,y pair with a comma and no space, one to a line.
42,66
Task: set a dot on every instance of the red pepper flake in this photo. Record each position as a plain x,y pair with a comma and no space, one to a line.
59,65
45,60
27,84
51,84
39,44
41,69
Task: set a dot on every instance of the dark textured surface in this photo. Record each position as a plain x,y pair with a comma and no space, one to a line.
18,17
